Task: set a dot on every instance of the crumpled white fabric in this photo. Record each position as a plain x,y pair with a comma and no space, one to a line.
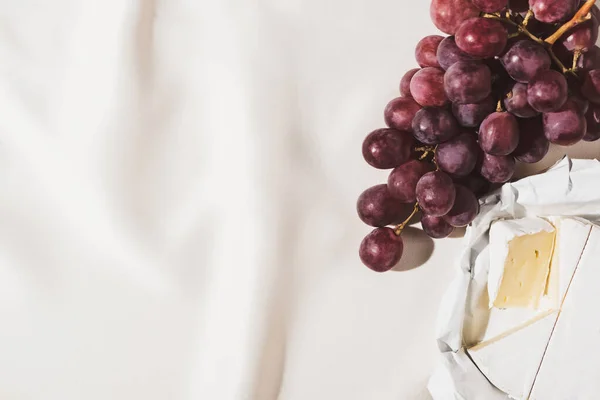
177,188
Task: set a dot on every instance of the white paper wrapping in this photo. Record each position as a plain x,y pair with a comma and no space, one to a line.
570,188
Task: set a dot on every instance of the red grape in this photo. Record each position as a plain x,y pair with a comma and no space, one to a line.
497,169
499,134
377,207
475,183
447,15
387,148
490,6
381,249
436,227
548,91
448,53
593,124
566,126
471,115
434,125
552,11
482,37
402,182
582,37
400,112
465,209
533,145
458,156
468,82
427,87
405,82
590,60
591,86
426,51
518,6
525,59
516,102
436,193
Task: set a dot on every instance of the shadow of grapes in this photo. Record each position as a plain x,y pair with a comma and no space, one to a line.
418,248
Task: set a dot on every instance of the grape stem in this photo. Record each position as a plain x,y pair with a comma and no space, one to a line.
581,16
398,230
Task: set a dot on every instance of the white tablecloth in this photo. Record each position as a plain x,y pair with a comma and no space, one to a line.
177,189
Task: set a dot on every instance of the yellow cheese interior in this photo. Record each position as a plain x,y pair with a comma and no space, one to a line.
526,271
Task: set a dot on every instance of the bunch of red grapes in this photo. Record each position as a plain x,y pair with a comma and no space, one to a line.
513,77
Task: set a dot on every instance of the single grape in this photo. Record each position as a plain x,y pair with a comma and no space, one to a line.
497,169
458,156
377,207
482,37
387,148
447,15
551,11
400,112
593,124
582,103
381,249
490,6
566,126
468,82
582,37
405,82
402,182
436,193
533,145
548,91
471,115
499,134
475,183
448,53
433,125
436,227
516,102
465,209
427,87
589,61
525,59
591,86
426,51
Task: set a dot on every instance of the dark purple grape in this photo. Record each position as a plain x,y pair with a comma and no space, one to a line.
388,148
533,145
482,37
490,6
582,103
497,169
458,156
468,82
427,87
405,82
589,61
551,11
381,249
471,115
465,209
448,53
426,51
582,37
591,86
548,91
433,125
475,183
436,193
377,207
516,102
593,124
566,126
525,59
447,15
499,134
400,112
402,182
436,227
518,6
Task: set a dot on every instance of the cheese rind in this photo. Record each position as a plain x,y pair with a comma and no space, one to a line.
520,255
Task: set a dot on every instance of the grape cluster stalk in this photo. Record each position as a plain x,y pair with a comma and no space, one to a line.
511,78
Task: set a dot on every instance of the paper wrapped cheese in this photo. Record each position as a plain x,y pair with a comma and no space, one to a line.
519,320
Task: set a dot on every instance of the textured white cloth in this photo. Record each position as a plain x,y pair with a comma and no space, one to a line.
177,189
